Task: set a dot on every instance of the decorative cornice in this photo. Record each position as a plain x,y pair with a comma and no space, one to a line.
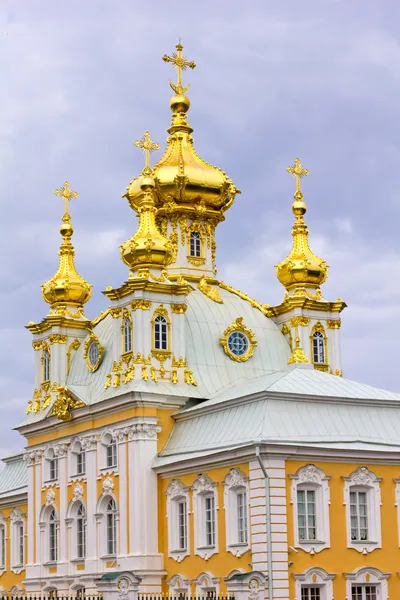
143,431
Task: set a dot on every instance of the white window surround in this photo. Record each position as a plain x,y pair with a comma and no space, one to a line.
17,520
45,529
363,480
3,528
72,514
204,487
311,477
235,482
74,450
205,583
318,577
176,491
368,576
106,439
49,455
397,505
100,516
179,585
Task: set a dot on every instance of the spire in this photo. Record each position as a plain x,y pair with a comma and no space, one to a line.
67,286
148,247
184,183
302,268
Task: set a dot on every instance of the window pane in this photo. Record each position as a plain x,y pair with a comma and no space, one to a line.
210,520
306,514
182,525
242,517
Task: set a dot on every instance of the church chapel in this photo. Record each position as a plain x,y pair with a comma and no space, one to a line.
191,440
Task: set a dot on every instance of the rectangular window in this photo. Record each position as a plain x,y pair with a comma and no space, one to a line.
3,547
242,517
53,469
195,244
210,520
306,514
53,550
111,454
111,534
20,544
359,516
81,538
310,593
364,592
81,463
182,525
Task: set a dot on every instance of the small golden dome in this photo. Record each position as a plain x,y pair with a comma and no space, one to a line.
67,286
302,267
181,176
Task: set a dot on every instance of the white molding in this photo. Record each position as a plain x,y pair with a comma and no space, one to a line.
364,480
310,477
206,582
202,488
318,577
178,585
235,481
370,576
397,505
177,491
17,518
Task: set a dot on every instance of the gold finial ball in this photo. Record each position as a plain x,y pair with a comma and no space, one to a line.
147,183
66,230
299,208
179,103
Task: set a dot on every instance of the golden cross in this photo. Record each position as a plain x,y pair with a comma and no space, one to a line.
148,146
298,171
181,63
67,194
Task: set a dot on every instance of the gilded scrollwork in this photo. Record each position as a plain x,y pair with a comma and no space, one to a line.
239,326
64,404
211,291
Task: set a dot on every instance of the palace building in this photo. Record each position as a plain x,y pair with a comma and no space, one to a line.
191,440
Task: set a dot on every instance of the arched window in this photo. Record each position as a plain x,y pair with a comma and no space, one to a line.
81,532
318,347
160,333
2,545
111,527
53,536
195,244
127,335
46,365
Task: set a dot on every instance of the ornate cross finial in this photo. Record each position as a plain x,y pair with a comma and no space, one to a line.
181,63
298,172
148,146
67,194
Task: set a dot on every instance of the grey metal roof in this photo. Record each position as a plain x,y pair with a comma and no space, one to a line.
14,477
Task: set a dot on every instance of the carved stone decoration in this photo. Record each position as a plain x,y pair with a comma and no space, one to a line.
309,474
29,457
361,477
120,434
50,497
203,484
176,488
78,493
61,450
235,478
123,587
143,431
254,589
16,515
108,485
89,443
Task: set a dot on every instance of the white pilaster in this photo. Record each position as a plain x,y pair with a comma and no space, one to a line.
120,435
89,444
38,506
61,452
29,458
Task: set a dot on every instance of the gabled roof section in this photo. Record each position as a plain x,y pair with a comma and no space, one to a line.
14,477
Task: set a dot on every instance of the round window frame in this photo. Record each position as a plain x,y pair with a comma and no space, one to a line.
244,337
93,339
238,326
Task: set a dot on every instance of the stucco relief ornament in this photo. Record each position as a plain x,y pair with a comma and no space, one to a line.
143,431
50,497
16,515
204,483
235,478
309,474
175,488
254,588
123,587
61,450
78,492
362,477
89,443
108,485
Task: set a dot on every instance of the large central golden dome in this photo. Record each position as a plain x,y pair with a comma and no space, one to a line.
183,180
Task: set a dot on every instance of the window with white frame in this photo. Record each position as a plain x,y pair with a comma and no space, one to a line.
50,465
2,544
207,585
236,512
160,333
53,536
81,462
314,584
17,526
367,583
111,527
178,586
310,499
195,244
111,454
177,515
46,365
205,516
127,335
78,459
107,515
108,452
318,343
362,498
80,531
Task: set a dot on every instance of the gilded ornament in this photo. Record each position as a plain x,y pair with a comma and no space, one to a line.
238,325
299,321
129,374
108,381
180,63
64,404
115,312
153,374
117,380
189,378
334,323
297,355
197,261
46,401
338,373
141,304
210,291
179,363
37,406
174,376
37,345
302,268
144,374
57,338
29,407
252,301
179,309
161,355
73,346
93,360
141,360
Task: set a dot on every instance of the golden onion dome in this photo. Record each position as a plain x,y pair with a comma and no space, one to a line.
302,268
67,286
148,247
181,176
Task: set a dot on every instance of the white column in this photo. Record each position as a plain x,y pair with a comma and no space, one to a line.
29,458
38,505
89,444
61,452
120,435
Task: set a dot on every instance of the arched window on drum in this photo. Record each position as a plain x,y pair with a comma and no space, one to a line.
127,333
319,345
161,327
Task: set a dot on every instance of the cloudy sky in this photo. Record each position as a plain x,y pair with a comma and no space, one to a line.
80,81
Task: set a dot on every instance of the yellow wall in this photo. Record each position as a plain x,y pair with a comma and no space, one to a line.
338,558
220,564
9,579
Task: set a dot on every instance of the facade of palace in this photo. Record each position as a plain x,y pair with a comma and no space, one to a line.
190,439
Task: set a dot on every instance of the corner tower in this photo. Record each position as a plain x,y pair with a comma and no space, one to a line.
309,322
191,196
